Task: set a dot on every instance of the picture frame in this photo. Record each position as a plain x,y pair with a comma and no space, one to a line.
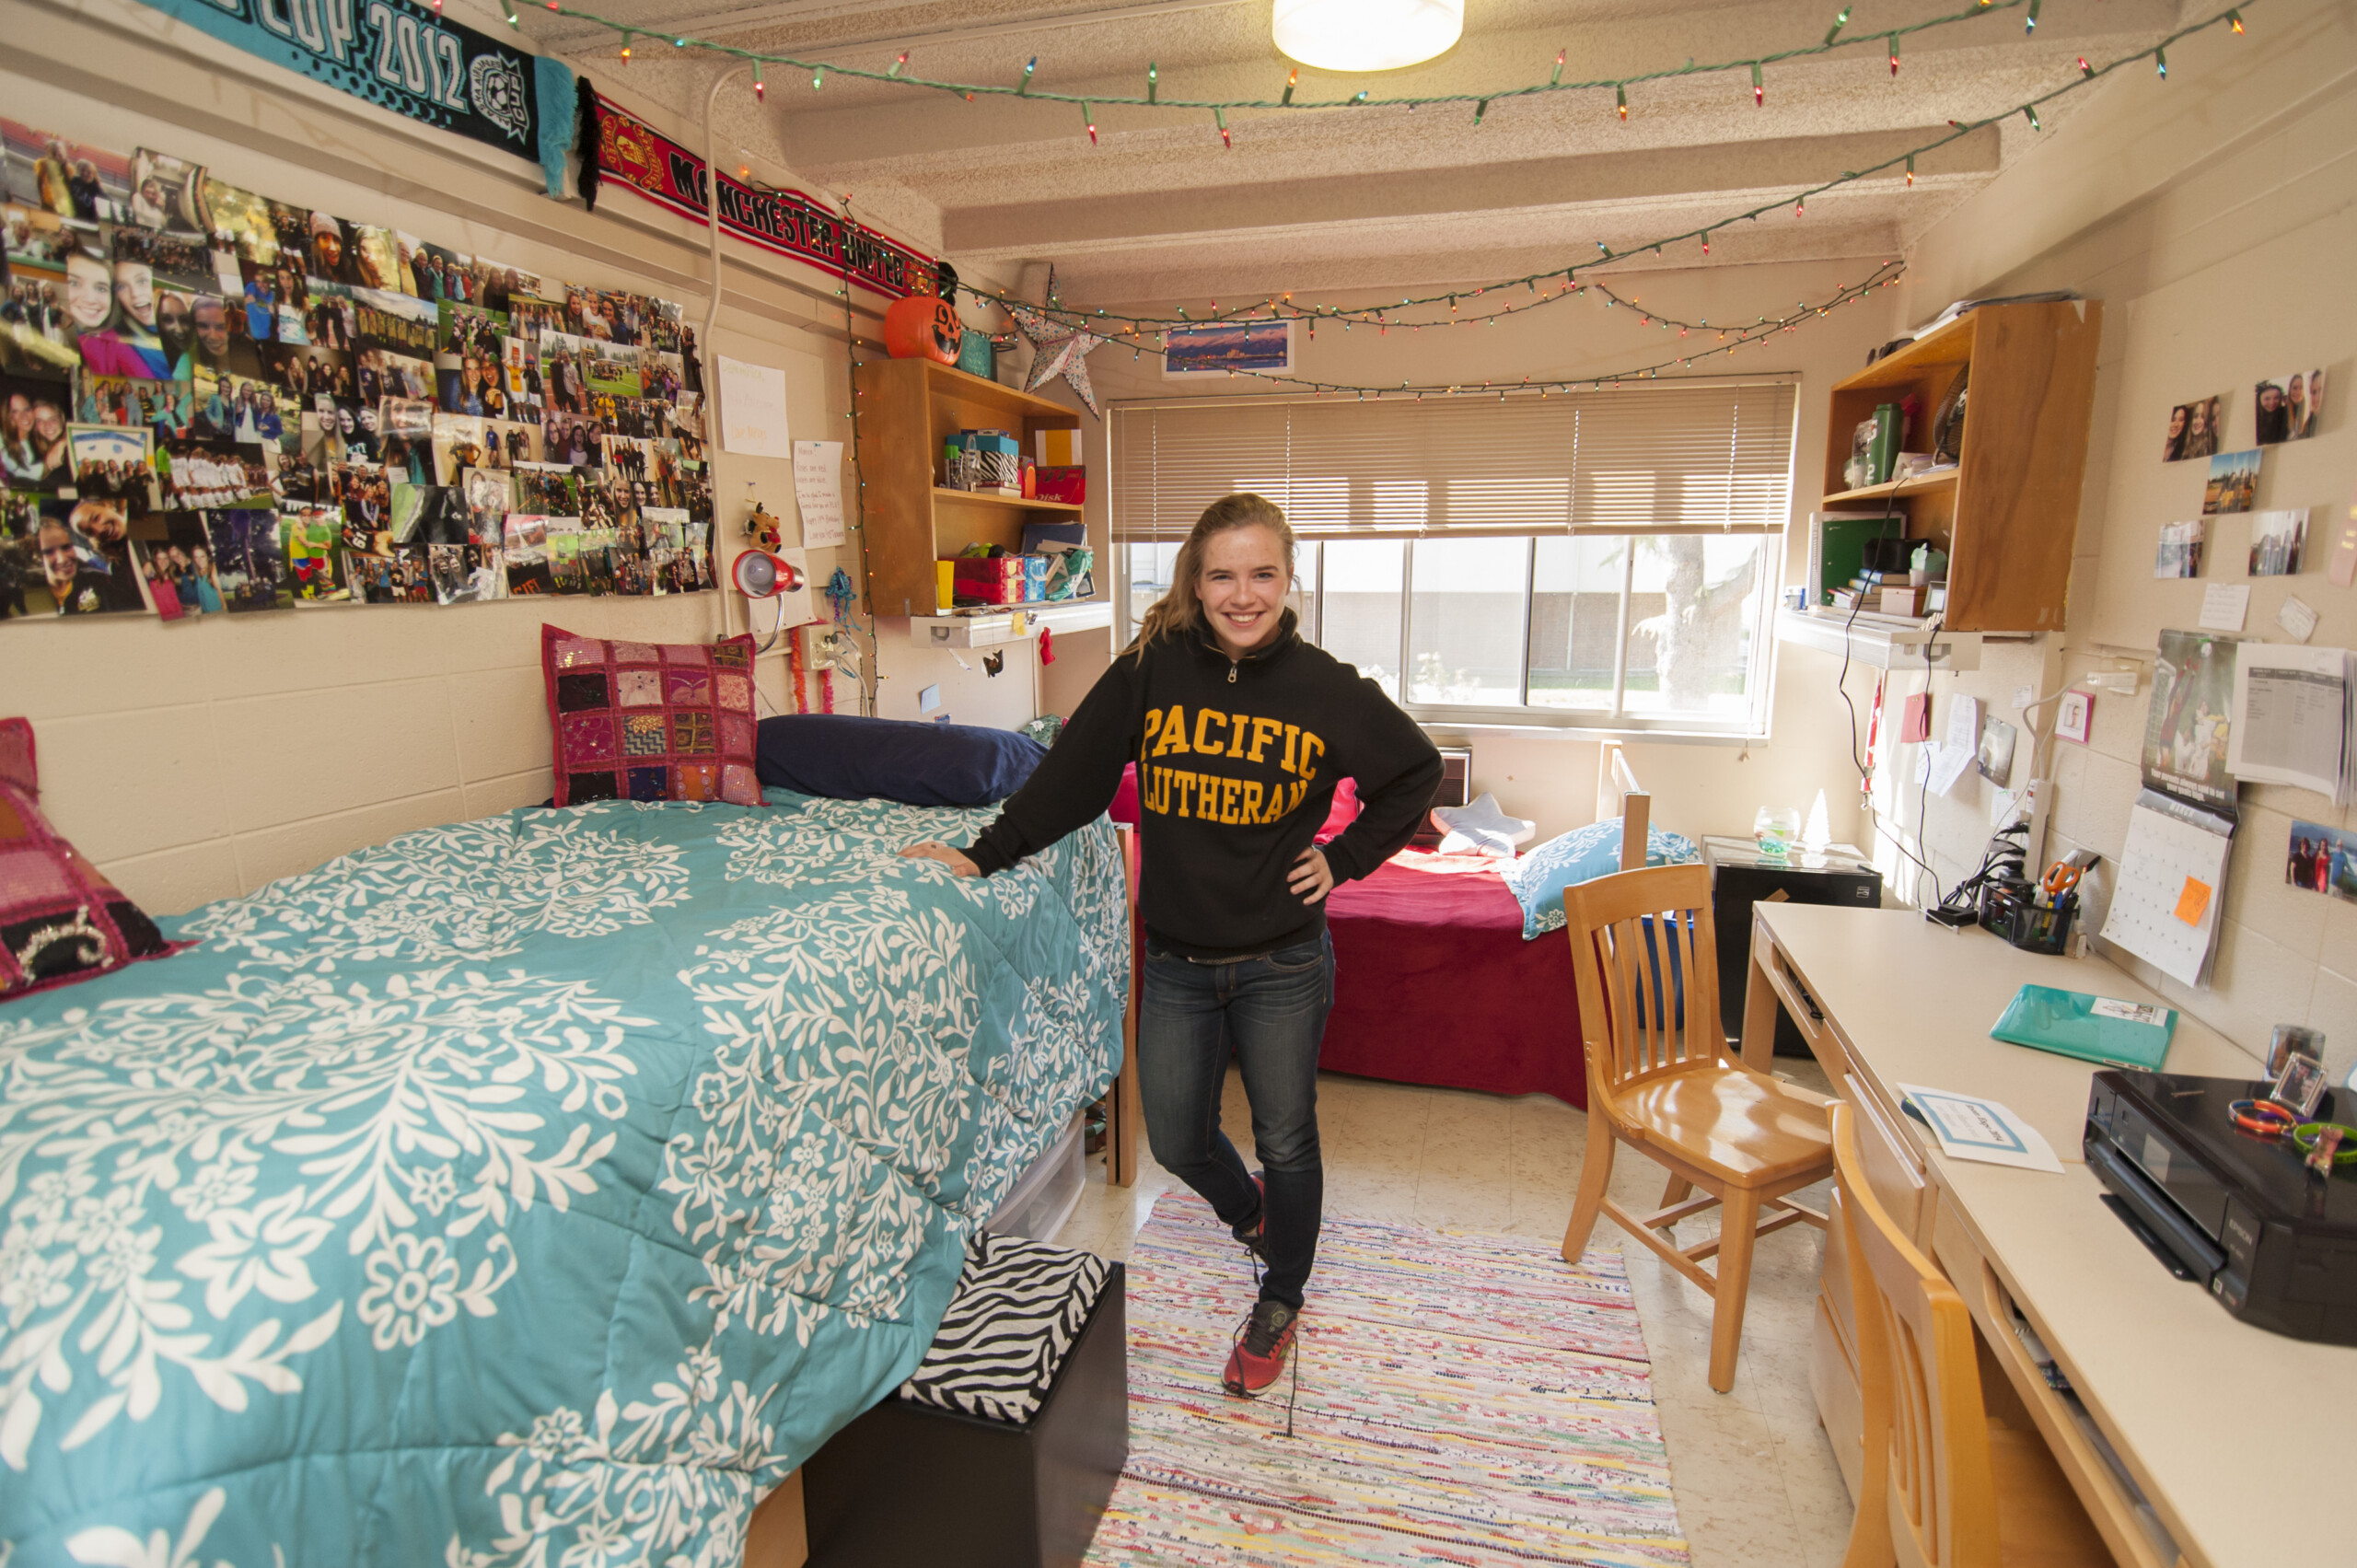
2074,716
1228,348
2301,1084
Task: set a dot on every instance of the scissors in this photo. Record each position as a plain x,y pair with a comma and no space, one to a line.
2060,878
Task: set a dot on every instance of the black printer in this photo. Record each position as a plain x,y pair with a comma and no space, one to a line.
2275,1242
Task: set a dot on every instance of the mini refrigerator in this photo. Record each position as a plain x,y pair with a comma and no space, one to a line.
1741,876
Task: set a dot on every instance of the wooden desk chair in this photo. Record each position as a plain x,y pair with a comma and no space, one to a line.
1660,1080
1941,1484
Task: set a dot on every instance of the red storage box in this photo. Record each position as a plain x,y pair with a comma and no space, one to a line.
1067,485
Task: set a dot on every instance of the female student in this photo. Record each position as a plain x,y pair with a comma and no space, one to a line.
1240,730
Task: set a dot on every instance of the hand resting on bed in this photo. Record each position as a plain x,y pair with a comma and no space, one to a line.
956,859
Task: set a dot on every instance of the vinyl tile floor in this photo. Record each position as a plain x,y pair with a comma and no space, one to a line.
1755,1479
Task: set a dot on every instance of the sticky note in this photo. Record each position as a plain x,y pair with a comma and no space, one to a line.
1917,724
2192,902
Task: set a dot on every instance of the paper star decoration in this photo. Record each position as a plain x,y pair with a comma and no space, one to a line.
1061,350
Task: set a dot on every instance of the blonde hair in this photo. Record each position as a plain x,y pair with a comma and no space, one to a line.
1182,608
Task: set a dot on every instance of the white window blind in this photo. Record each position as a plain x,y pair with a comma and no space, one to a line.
1683,456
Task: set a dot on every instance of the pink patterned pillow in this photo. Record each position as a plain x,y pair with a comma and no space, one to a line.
650,721
59,920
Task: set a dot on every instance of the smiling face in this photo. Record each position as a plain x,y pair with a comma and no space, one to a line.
175,323
134,290
89,298
1242,587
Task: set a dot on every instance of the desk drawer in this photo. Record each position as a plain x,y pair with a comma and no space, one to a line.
1800,1005
1833,1353
2109,1503
1893,1169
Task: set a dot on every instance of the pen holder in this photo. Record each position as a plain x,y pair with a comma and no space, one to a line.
2012,911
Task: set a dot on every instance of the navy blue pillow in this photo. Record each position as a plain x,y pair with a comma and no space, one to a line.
849,758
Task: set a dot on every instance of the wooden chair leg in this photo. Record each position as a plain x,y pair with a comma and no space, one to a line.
1739,1219
1677,1191
1596,1176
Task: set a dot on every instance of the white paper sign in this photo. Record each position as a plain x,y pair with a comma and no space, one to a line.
2225,606
819,489
1975,1129
2296,618
753,408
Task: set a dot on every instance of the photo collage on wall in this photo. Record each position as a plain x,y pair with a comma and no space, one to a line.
212,401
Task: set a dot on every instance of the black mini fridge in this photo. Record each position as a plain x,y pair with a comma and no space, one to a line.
1741,876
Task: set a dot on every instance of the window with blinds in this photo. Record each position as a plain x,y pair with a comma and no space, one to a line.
1677,457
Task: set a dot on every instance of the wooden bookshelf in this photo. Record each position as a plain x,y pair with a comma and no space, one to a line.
2008,513
908,408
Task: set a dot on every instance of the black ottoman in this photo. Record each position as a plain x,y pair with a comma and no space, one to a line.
1003,1450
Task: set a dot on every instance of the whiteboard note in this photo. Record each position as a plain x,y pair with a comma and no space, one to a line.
819,489
2163,853
752,409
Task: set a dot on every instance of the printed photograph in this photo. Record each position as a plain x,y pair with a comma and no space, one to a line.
167,192
223,337
2193,430
33,420
394,322
526,555
2290,406
241,222
308,371
330,318
114,463
369,575
2322,859
85,548
2276,538
376,260
2180,551
367,496
178,568
311,541
201,474
2233,483
490,496
20,564
380,374
248,559
453,572
329,251
429,514
166,407
70,179
232,407
571,439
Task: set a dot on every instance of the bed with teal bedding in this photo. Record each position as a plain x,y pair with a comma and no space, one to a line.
538,1191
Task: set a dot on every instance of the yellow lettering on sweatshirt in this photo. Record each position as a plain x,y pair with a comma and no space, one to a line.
1310,747
1251,806
1292,733
1153,724
1239,730
1172,732
1263,731
1202,717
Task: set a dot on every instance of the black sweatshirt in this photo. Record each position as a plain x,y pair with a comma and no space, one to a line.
1237,759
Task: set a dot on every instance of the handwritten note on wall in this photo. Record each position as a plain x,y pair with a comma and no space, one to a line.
752,409
819,489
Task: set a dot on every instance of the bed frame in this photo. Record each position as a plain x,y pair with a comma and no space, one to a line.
777,1536
1617,794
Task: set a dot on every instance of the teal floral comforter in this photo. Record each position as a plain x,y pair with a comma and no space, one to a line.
534,1191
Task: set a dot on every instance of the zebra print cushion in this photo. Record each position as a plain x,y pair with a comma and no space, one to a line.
1018,1308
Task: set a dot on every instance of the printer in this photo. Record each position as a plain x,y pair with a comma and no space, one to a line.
2274,1242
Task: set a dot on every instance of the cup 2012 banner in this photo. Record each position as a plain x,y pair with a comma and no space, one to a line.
403,55
634,153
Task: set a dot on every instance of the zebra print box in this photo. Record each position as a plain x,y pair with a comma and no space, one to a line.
916,1484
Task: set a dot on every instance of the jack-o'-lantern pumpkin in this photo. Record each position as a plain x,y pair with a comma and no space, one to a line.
923,326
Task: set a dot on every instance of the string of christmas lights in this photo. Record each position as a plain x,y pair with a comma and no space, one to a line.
1836,40
1561,281
1728,340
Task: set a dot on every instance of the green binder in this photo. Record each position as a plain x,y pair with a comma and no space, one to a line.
2092,1029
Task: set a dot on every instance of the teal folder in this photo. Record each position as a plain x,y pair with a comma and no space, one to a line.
2093,1028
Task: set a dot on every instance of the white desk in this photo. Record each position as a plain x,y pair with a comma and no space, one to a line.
2224,1426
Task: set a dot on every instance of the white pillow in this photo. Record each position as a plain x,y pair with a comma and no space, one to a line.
1481,828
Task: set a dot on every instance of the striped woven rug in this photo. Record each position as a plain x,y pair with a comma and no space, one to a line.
1464,1400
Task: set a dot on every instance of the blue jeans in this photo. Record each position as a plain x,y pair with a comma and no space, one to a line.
1273,1010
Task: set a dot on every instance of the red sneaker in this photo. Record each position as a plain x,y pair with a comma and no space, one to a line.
1256,1240
1258,1358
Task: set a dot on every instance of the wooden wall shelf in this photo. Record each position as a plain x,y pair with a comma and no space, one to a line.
908,408
2008,514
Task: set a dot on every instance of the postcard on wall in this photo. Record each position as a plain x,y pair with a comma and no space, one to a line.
246,557
2187,727
2233,482
116,463
179,568
2291,406
1228,348
2179,554
2193,430
2276,538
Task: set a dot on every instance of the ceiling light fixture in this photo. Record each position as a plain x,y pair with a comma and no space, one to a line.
1367,35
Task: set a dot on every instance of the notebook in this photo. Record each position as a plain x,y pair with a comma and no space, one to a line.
2092,1029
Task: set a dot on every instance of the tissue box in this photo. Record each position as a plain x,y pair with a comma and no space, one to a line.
1069,485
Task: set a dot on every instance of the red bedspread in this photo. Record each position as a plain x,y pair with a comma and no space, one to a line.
1434,984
